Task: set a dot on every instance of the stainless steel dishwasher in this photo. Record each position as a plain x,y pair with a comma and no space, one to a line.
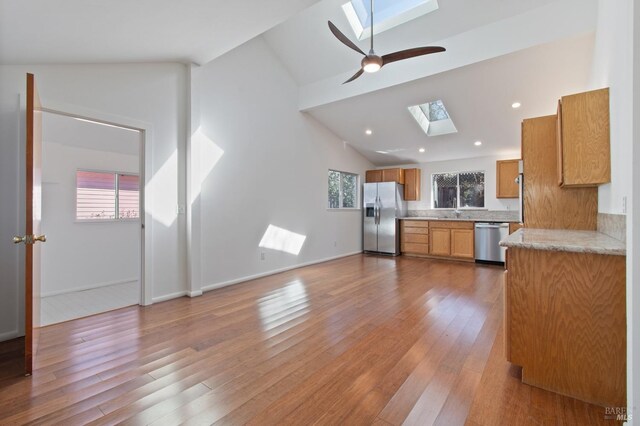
488,236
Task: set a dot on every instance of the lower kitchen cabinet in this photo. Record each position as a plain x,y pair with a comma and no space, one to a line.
440,242
414,237
462,243
452,239
565,322
446,239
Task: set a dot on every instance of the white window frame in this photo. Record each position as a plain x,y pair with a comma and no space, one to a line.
457,207
117,197
341,192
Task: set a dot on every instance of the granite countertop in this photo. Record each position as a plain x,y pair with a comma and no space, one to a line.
455,219
565,240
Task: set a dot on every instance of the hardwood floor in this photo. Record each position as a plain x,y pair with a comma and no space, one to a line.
360,340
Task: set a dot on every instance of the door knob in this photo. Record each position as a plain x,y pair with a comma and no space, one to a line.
30,239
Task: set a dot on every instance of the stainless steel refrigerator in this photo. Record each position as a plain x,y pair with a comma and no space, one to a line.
383,205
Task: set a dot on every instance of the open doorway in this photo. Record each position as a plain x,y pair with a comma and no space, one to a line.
92,196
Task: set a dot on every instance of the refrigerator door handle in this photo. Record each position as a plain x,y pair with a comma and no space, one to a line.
377,211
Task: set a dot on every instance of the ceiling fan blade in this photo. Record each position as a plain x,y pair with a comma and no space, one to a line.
343,38
410,53
356,75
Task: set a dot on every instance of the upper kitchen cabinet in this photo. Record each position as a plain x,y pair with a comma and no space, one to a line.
506,174
373,176
385,175
412,184
546,205
393,175
584,157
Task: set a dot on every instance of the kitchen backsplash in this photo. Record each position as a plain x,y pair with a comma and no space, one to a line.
614,225
488,215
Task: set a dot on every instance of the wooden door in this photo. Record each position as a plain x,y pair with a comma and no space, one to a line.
462,243
33,215
440,242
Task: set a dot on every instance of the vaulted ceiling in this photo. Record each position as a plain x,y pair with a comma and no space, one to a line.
498,52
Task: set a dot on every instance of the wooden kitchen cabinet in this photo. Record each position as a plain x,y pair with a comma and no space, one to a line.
412,184
440,242
385,175
513,227
462,243
583,139
506,174
373,176
393,175
546,205
414,237
565,322
452,239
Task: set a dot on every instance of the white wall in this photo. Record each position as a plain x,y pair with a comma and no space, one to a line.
83,255
480,164
613,67
271,170
152,94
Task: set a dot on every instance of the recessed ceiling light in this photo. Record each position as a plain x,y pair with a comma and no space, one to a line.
369,132
421,150
516,105
477,143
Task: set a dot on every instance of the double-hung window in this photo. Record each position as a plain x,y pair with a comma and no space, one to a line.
343,190
462,190
107,196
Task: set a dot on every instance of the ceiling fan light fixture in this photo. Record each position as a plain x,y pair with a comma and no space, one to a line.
371,63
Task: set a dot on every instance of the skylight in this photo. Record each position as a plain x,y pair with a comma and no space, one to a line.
388,14
433,118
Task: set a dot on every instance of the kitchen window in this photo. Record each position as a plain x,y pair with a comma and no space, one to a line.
107,196
343,190
461,190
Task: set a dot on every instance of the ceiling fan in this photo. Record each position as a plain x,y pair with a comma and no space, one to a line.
372,62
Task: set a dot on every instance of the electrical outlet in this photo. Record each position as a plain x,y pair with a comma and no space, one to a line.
181,209
262,255
624,205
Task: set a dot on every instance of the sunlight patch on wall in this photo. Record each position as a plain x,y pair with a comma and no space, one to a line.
205,154
281,239
162,191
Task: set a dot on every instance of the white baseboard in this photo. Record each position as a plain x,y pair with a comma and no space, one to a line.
9,335
88,287
275,271
195,293
169,296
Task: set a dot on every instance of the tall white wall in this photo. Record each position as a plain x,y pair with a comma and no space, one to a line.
613,67
476,164
90,254
271,169
153,94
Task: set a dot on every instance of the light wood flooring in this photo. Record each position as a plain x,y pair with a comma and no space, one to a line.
360,340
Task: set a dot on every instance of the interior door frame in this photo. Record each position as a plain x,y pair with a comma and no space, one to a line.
146,222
